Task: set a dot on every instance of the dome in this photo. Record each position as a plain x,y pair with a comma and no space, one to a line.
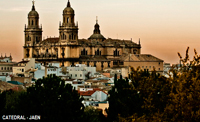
97,36
97,33
33,12
68,9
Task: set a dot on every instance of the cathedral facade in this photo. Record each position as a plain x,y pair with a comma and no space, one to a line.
68,49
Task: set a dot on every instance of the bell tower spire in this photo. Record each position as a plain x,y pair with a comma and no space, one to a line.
68,29
32,32
68,4
33,7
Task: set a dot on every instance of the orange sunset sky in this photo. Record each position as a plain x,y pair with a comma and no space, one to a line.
164,27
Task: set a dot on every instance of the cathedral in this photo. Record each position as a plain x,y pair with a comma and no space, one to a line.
68,49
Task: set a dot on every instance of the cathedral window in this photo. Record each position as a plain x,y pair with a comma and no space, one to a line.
72,36
84,52
134,51
28,38
116,52
97,52
121,63
36,39
36,22
115,62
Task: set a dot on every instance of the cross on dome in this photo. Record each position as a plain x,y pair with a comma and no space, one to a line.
96,19
33,2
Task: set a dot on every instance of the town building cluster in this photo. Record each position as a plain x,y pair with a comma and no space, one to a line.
89,65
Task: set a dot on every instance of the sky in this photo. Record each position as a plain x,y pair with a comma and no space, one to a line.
164,27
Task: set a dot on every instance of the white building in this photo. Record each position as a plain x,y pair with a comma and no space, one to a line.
75,83
23,71
93,94
80,71
51,68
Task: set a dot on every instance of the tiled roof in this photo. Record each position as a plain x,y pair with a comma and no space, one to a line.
6,86
90,92
15,82
51,40
140,57
109,41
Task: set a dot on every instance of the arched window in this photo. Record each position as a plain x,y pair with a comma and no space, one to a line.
72,36
67,19
36,22
134,51
47,50
36,39
64,19
97,52
116,52
32,22
27,38
63,37
84,52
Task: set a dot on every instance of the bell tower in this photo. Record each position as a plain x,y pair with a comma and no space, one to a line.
68,31
33,32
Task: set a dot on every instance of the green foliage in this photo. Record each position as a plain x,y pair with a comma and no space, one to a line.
54,100
49,97
184,99
93,115
122,100
174,99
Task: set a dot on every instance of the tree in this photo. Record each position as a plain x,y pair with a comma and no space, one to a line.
53,100
64,70
184,100
123,100
93,115
142,99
